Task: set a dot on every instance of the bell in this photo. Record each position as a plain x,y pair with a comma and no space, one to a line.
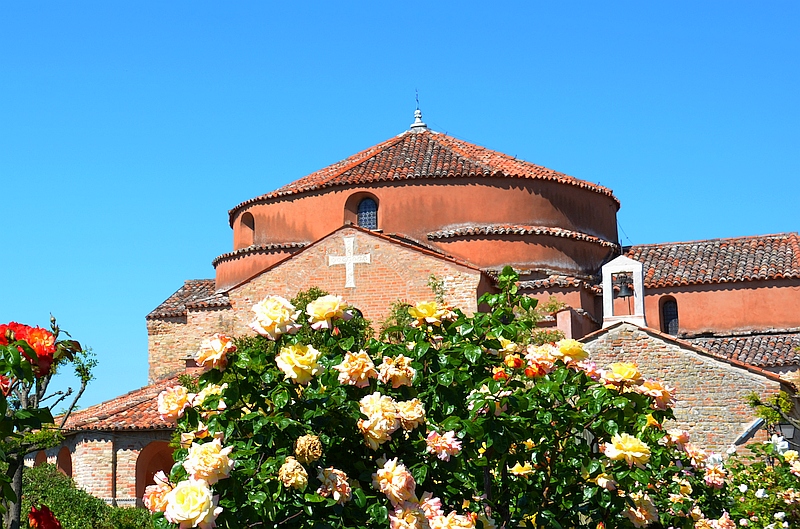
625,290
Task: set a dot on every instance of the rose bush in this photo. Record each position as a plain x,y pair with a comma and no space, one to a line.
454,421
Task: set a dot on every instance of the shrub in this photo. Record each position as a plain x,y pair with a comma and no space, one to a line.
73,507
461,424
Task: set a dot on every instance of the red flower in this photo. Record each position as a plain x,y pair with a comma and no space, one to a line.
43,519
42,341
5,385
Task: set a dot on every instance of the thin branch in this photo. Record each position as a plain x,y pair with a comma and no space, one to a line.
84,382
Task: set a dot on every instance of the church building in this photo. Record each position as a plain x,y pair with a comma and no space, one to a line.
716,319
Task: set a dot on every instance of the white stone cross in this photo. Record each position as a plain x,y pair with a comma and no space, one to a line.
349,260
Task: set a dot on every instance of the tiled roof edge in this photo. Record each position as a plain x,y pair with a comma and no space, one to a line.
504,229
688,345
257,248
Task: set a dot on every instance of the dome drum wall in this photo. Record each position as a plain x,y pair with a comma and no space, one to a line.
526,252
422,206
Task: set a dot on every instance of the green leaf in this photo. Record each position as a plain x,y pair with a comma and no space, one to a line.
281,398
472,353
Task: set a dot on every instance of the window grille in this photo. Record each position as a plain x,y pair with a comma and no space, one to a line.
368,214
669,317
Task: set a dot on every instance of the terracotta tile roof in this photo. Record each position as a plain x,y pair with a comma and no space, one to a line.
761,349
421,154
507,229
137,410
562,281
258,248
719,260
194,293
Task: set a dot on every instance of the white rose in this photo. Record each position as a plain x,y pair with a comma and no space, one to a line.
191,504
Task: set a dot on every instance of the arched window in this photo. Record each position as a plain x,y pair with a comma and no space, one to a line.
248,230
669,316
368,214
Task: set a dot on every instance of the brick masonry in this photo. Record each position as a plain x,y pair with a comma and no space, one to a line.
717,414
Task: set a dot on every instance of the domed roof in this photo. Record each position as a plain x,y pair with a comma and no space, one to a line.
418,154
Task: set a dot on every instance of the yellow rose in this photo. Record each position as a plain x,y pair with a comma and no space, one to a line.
191,504
293,475
356,369
629,448
308,448
397,371
411,413
208,461
606,481
275,316
172,401
622,374
521,470
299,362
790,456
428,312
571,351
395,481
323,310
208,391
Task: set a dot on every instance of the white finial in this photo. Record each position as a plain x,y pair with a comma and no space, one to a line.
418,125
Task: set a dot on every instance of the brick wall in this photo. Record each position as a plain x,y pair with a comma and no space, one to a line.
710,392
394,272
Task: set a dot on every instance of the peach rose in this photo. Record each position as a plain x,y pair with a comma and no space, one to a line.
395,481
334,484
275,316
323,310
172,401
382,419
644,511
397,371
662,395
155,496
299,362
443,445
191,504
208,461
407,515
411,413
213,352
356,369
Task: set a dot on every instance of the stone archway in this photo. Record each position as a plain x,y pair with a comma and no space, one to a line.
41,458
156,456
64,461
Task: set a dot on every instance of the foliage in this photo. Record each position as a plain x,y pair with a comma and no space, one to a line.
437,287
462,424
73,507
397,320
774,409
551,306
765,486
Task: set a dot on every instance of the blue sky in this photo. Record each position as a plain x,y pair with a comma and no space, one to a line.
127,130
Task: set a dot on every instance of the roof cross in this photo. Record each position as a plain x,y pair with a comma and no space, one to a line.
349,260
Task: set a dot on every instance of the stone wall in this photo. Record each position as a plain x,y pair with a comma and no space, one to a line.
710,392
